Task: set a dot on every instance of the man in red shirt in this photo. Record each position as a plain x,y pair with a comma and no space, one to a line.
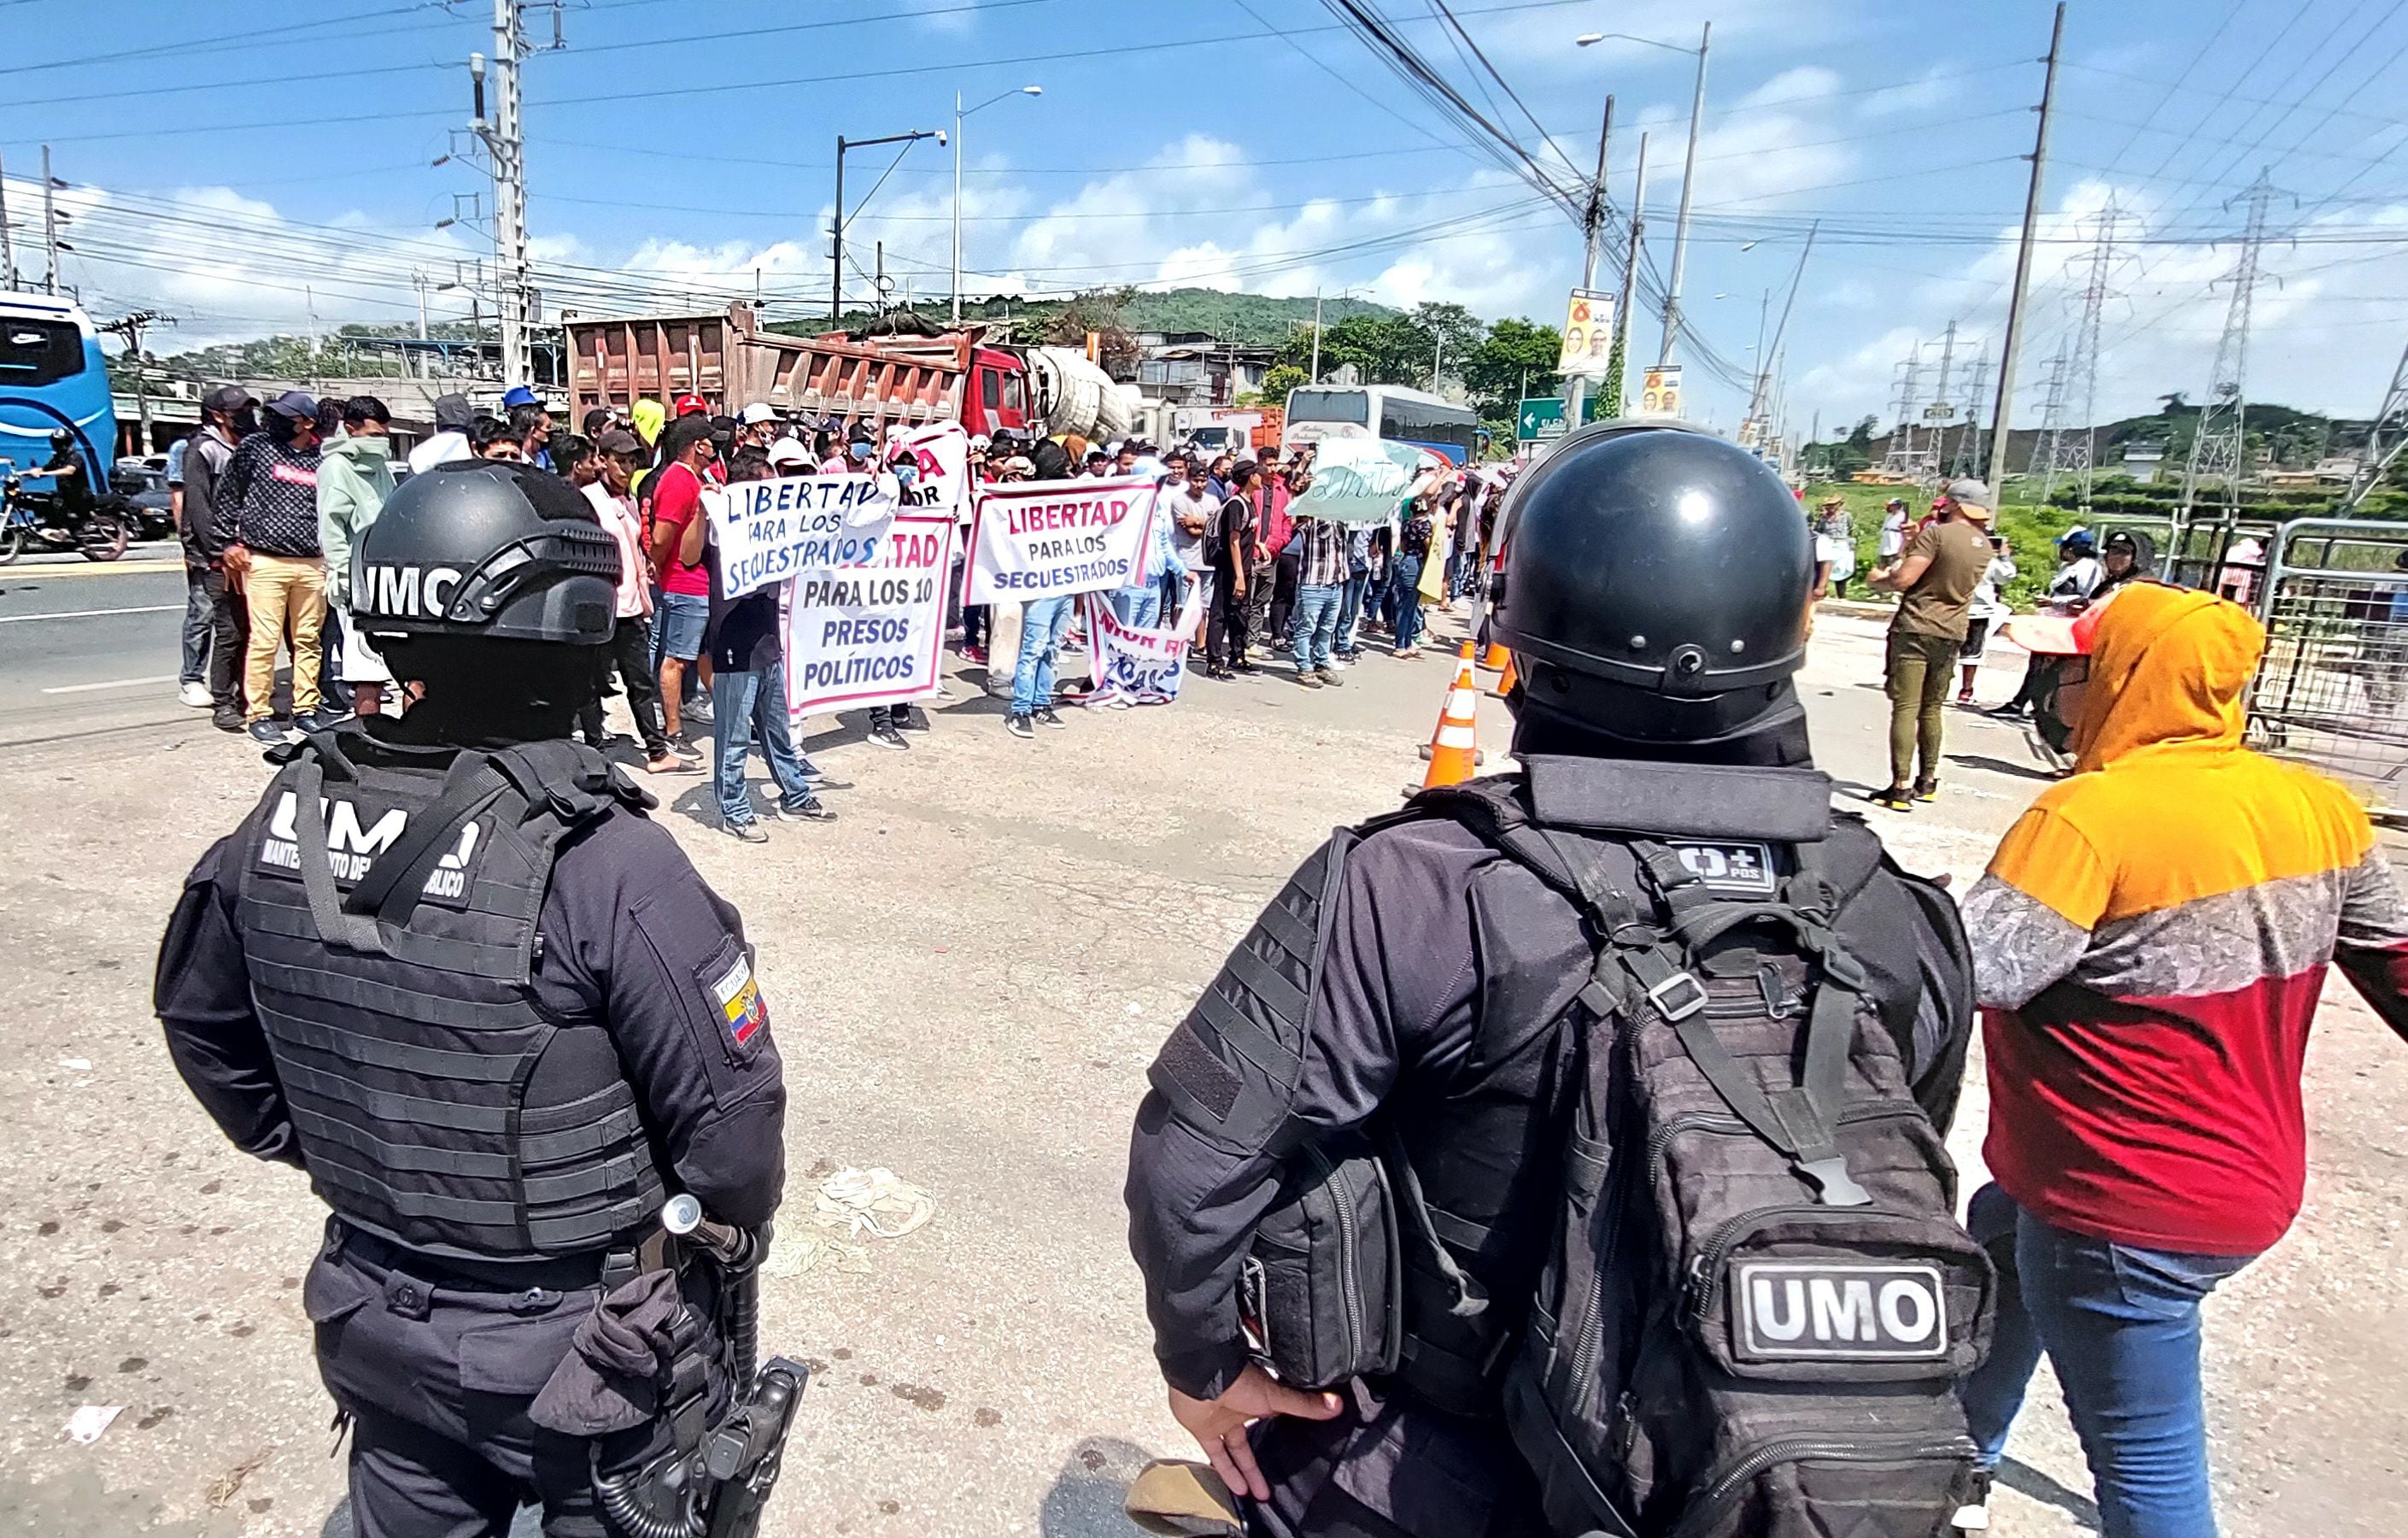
676,538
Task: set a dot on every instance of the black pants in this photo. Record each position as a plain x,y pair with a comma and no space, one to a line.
1286,574
1224,639
437,1380
630,651
1262,585
1392,1469
978,623
229,638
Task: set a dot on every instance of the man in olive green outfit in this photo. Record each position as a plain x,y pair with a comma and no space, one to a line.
1935,576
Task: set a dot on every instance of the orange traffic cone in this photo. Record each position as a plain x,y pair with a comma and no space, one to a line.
1506,680
1454,754
1495,658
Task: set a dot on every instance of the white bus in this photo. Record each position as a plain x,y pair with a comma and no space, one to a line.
1390,412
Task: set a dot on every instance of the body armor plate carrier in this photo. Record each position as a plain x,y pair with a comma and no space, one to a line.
387,908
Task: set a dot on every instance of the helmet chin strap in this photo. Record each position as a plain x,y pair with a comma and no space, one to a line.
1774,736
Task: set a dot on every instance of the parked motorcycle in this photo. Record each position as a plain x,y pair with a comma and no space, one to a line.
36,520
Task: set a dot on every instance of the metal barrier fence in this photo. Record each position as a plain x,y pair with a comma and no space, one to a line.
2332,691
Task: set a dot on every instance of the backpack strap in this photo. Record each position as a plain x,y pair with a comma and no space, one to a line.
1802,1120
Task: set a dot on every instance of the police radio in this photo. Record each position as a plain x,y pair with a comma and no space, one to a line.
718,1486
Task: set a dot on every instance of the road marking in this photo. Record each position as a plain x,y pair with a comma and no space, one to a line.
90,613
112,683
90,569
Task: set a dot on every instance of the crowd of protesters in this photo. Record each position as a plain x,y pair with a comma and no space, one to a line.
272,497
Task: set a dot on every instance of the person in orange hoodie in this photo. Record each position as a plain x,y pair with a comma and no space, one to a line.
2149,943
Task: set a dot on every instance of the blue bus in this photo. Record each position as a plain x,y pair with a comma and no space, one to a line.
1390,412
53,378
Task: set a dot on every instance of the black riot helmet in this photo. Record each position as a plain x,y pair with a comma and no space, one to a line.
488,551
1654,585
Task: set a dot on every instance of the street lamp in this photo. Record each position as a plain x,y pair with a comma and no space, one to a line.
836,252
958,115
1688,172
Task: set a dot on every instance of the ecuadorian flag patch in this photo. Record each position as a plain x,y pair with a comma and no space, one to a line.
742,1011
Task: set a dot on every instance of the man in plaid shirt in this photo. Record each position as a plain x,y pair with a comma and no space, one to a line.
1321,586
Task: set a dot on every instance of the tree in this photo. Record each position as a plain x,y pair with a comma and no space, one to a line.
1098,310
1860,437
1455,327
1280,377
1514,353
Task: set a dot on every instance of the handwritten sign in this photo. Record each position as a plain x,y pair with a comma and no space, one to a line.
768,531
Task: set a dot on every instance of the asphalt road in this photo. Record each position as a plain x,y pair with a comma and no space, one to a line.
88,647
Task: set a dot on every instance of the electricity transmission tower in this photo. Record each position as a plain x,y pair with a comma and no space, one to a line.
2052,453
1901,457
2384,438
1968,460
2081,453
2219,450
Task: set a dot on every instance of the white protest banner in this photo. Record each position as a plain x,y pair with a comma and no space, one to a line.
941,451
769,530
1360,480
1049,539
1141,666
866,629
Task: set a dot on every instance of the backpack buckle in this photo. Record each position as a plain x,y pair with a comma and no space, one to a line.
1678,997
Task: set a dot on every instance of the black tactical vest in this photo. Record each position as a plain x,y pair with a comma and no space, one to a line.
1484,1141
389,898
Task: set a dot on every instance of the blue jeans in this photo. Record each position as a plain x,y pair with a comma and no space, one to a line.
745,706
1042,625
2120,1325
1315,625
1349,608
1139,607
199,608
1404,592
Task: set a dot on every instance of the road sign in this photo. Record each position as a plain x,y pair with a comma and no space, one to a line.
1660,392
1588,334
1541,420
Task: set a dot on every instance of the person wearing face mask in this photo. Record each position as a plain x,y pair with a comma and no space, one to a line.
354,478
228,415
271,487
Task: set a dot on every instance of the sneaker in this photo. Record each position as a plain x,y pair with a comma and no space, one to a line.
1017,725
319,719
973,653
1309,679
1974,1516
885,736
916,719
810,808
1894,798
1329,676
2009,711
196,694
1926,790
227,718
747,831
268,733
1044,716
685,749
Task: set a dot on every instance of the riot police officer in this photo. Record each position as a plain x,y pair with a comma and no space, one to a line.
450,970
1421,983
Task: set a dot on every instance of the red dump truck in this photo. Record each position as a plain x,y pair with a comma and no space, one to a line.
730,361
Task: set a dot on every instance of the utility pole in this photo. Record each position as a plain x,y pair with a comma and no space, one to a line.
836,248
7,240
1617,370
505,145
49,222
418,281
1592,237
131,327
1317,336
2219,448
1764,362
2003,411
1688,190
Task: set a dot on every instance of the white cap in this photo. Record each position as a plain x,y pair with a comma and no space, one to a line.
789,450
757,413
980,441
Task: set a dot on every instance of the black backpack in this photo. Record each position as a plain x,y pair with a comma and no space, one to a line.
1758,1301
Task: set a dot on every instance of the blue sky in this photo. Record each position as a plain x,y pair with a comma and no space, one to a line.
244,181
